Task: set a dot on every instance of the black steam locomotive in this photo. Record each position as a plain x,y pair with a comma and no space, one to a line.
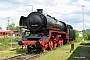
45,31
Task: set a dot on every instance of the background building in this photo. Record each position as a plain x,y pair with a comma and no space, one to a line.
88,31
0,28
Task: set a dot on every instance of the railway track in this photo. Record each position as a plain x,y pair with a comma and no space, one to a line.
23,57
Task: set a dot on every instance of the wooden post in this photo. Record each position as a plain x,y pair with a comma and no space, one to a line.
72,47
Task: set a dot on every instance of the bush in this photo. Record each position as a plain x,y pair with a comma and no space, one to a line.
85,35
6,40
88,35
77,38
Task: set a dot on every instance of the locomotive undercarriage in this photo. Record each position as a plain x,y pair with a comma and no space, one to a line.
46,40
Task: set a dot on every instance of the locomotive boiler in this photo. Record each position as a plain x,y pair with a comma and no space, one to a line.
37,21
44,31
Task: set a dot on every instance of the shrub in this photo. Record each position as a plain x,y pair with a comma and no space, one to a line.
6,40
88,35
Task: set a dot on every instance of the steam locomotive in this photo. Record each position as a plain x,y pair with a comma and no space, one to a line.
44,32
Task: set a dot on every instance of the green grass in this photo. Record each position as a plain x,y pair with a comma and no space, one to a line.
4,42
89,54
76,53
9,53
88,58
8,46
5,47
62,53
59,53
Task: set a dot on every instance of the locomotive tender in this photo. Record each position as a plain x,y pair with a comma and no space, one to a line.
44,31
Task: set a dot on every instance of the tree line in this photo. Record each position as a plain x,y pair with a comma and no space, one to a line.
12,27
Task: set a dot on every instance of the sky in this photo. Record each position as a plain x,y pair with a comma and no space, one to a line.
68,11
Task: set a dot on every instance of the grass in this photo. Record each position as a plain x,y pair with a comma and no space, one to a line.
8,46
62,53
4,42
59,53
5,47
9,53
89,55
88,52
75,54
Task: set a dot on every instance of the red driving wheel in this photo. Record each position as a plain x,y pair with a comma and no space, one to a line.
50,45
59,43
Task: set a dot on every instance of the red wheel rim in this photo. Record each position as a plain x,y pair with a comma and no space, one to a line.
59,43
50,45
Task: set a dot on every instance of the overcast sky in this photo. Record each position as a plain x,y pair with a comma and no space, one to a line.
69,11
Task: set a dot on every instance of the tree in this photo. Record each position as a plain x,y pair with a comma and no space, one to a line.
88,36
76,35
17,28
85,35
13,27
78,38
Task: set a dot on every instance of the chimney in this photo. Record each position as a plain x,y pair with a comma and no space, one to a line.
40,10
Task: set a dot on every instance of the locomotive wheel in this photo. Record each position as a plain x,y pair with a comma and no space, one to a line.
62,42
55,45
43,49
59,43
50,44
38,50
29,49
